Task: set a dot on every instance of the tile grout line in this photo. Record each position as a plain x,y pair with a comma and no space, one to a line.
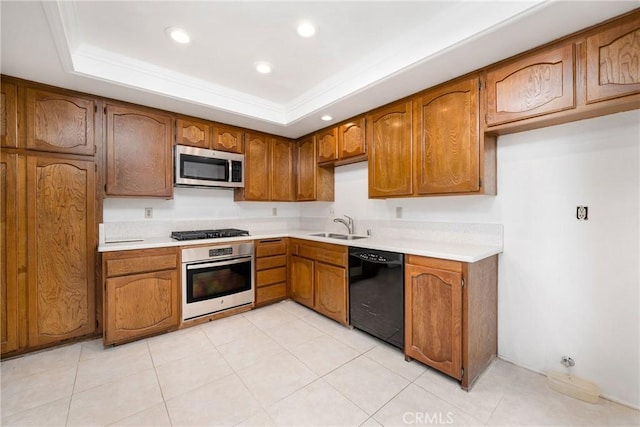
73,389
155,370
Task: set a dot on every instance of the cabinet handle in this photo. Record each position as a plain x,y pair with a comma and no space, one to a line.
270,241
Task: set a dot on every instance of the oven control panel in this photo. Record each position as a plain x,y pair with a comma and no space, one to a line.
220,252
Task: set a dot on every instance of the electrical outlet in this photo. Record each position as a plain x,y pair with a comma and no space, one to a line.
399,212
148,213
332,211
582,213
274,212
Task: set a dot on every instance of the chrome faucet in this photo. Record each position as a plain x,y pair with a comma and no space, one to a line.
348,223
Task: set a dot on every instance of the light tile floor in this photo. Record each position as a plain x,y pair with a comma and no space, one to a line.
278,365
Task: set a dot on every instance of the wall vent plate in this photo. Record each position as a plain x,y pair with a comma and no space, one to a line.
582,213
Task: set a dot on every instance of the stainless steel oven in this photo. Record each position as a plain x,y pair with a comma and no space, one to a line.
216,278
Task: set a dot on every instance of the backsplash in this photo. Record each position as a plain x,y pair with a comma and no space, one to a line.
468,233
151,229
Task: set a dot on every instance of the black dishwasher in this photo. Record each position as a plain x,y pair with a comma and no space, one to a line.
376,294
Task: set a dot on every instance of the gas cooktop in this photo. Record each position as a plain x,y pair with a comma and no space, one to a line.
208,234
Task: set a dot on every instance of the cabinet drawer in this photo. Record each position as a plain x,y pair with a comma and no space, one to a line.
273,275
271,262
271,293
324,252
270,248
142,261
441,264
331,257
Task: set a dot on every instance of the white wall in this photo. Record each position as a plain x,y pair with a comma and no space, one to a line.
193,203
566,287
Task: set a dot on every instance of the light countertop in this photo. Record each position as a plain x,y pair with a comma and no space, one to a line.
436,249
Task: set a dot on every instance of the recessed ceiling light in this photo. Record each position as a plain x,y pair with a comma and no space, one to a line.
263,67
306,29
178,35
326,118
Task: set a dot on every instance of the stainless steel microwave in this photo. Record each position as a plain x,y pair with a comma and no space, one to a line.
198,167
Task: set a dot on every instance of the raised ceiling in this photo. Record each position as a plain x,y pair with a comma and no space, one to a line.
364,54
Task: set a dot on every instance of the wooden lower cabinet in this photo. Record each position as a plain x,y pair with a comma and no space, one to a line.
142,293
9,253
271,271
302,278
451,315
318,277
331,291
61,242
48,249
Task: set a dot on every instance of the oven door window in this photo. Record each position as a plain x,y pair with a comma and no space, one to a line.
212,280
204,168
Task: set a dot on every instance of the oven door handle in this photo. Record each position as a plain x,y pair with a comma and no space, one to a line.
219,263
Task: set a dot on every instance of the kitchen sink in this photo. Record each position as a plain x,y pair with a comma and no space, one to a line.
338,236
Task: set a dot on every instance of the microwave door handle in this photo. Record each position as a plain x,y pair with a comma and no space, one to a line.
218,263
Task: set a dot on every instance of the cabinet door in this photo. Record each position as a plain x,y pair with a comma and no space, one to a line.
9,251
195,133
390,151
327,141
8,115
532,86
306,173
227,138
281,176
257,167
61,245
60,123
433,318
351,139
301,278
613,60
139,152
331,291
447,140
140,305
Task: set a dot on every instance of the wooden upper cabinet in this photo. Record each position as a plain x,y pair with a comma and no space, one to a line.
538,84
613,60
306,169
192,132
61,225
269,166
9,252
9,115
312,182
352,139
327,141
60,123
281,177
447,139
139,152
390,151
433,317
342,144
227,138
257,167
